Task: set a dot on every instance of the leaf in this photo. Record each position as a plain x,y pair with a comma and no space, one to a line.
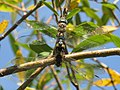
20,60
12,43
3,26
1,88
93,15
109,5
74,4
24,45
105,29
38,47
73,12
44,28
13,17
29,88
8,6
81,29
43,80
92,41
85,3
107,81
48,5
115,39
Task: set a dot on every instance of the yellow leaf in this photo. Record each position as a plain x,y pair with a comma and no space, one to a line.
107,81
3,26
74,4
114,74
105,29
31,7
20,60
29,88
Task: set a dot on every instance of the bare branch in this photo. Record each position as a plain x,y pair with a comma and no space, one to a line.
20,20
50,61
30,79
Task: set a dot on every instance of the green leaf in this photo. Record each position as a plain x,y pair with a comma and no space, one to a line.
73,12
1,88
48,5
115,39
85,3
25,46
38,47
105,19
93,15
7,5
13,17
44,28
109,5
84,29
45,78
91,42
77,19
12,43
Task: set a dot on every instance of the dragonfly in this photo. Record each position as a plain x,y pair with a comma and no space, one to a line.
74,37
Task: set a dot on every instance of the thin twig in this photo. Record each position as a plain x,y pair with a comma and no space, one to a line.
56,77
54,6
39,35
68,72
12,6
107,69
51,61
20,20
74,77
30,79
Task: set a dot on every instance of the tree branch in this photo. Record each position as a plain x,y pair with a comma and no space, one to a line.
30,79
50,61
20,20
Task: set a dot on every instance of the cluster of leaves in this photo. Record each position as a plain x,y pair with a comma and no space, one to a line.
80,36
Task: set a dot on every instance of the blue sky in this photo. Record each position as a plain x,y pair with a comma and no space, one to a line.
10,82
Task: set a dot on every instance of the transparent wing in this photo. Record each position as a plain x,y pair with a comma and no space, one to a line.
85,72
86,36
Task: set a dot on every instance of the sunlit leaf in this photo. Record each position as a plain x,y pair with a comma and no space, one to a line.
74,4
107,81
20,60
109,5
44,28
93,15
38,47
13,17
44,79
31,7
14,47
29,88
73,12
8,6
81,29
85,3
3,26
115,39
48,5
105,29
92,41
